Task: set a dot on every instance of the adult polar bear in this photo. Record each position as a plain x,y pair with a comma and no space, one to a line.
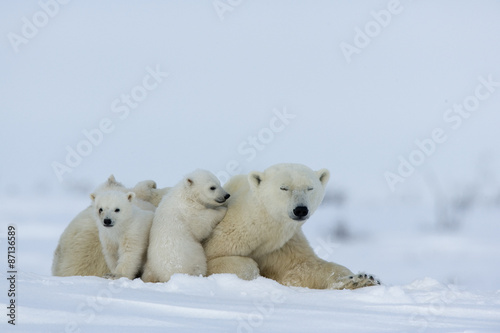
261,232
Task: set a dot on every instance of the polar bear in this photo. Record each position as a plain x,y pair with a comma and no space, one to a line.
147,191
123,232
79,250
184,218
261,232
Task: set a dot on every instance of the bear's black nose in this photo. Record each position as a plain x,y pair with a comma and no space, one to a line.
227,196
300,211
107,222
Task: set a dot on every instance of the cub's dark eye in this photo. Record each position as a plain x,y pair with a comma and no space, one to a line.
310,188
212,188
100,210
284,188
117,210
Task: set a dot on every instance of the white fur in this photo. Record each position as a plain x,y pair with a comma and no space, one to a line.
79,250
261,232
123,232
184,218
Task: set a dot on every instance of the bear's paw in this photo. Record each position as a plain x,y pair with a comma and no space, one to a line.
111,276
359,281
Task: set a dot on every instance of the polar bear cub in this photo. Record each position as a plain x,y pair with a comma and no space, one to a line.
184,218
123,232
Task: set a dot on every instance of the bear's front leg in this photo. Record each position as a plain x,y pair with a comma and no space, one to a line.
110,252
245,268
128,266
130,259
296,264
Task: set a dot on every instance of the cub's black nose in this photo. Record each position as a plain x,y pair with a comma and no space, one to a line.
301,211
227,196
107,222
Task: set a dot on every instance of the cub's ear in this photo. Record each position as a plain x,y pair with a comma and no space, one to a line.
92,196
189,182
130,196
254,179
112,180
323,175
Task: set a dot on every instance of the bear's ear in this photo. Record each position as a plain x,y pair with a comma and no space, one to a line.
130,196
324,176
112,180
92,196
189,182
254,178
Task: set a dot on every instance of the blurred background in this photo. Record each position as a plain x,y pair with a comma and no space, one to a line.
400,100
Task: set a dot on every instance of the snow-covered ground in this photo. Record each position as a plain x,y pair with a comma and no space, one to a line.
398,99
433,280
226,304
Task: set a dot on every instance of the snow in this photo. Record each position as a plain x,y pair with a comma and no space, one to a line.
217,102
432,281
224,303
